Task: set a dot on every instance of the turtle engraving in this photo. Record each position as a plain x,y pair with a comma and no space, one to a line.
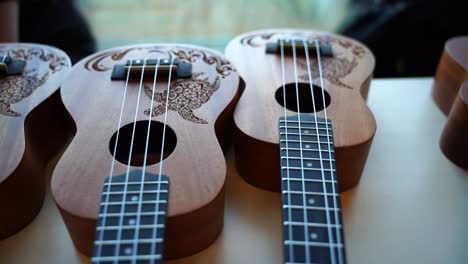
14,88
185,95
333,69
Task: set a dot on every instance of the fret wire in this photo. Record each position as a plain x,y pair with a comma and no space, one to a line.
305,122
310,224
308,180
137,257
133,192
134,202
132,214
312,208
307,169
312,128
298,158
304,149
310,193
315,244
128,241
303,134
129,227
305,141
135,183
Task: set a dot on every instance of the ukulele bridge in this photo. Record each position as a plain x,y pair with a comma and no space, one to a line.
290,44
9,66
164,66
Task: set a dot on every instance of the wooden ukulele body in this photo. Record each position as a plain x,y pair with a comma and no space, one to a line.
451,72
450,93
454,138
30,135
346,78
200,114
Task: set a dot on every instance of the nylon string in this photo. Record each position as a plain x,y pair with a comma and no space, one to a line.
153,247
306,227
107,195
338,234
324,185
127,174
290,233
143,174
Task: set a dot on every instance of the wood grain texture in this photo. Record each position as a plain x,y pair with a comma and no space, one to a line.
29,131
454,138
346,79
452,71
196,167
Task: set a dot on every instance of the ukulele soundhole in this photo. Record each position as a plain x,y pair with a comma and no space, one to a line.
140,144
304,104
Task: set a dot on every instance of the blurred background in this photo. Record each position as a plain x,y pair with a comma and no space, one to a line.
210,23
406,36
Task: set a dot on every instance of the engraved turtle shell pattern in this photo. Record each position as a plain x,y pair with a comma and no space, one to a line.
14,88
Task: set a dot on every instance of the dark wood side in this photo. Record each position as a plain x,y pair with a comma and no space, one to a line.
452,71
454,138
47,130
31,138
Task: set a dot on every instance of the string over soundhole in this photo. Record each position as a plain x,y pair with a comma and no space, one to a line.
153,146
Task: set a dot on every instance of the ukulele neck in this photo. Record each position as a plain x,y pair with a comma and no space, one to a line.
312,224
131,220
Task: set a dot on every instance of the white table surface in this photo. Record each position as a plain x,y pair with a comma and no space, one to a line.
411,205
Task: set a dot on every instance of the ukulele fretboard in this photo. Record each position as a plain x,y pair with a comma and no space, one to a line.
312,224
132,216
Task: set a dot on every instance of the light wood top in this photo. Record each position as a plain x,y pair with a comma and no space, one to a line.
344,78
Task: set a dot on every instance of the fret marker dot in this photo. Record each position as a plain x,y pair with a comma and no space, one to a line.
311,200
307,146
134,198
131,221
313,235
306,131
309,164
128,251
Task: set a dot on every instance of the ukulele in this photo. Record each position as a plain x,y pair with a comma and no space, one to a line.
452,71
144,177
30,138
301,121
450,93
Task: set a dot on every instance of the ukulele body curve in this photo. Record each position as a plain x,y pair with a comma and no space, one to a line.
199,113
30,137
346,79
